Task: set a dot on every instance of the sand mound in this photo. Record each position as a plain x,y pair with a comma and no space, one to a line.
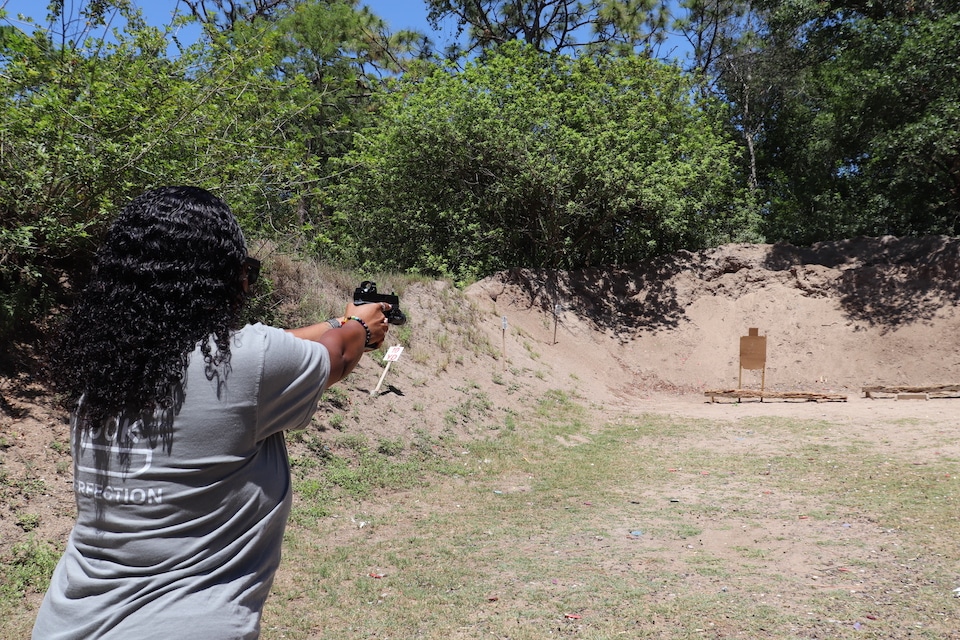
837,316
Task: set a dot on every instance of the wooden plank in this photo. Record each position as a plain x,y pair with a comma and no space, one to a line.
810,396
912,396
940,388
939,391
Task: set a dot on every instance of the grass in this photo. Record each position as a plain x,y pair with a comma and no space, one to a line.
653,527
27,571
560,523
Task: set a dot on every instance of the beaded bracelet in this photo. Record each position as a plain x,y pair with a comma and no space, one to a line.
365,328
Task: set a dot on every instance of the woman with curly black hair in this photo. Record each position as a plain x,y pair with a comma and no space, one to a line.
181,475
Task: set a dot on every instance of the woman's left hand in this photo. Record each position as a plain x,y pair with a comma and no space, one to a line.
374,315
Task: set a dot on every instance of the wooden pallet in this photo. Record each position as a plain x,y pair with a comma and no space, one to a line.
808,396
912,392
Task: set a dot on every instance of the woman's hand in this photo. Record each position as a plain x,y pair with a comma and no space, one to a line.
347,344
374,315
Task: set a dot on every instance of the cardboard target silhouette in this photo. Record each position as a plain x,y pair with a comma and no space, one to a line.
753,355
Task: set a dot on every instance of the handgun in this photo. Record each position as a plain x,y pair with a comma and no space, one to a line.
366,293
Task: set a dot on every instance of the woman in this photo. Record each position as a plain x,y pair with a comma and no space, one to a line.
180,471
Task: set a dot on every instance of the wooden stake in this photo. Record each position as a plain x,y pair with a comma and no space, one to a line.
382,376
393,354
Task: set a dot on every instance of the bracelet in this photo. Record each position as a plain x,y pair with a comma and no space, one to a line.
336,323
365,328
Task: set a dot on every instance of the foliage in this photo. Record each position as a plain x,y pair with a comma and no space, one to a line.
861,129
844,113
531,159
29,570
89,121
341,52
341,39
712,28
724,38
846,109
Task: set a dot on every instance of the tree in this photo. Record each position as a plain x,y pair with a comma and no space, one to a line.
532,159
728,57
599,26
89,122
223,15
713,28
863,136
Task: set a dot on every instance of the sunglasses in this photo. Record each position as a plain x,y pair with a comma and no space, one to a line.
252,266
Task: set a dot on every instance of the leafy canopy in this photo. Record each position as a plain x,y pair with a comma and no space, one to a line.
88,121
533,159
860,130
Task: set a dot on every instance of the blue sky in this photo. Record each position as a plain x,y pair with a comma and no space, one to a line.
399,14
402,14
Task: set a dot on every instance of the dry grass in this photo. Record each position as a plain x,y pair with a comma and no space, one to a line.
647,527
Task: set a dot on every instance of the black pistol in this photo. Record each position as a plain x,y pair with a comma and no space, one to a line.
367,293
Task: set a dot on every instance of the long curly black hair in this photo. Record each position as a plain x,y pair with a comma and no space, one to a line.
167,277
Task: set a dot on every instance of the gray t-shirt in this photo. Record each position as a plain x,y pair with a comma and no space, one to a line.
179,536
